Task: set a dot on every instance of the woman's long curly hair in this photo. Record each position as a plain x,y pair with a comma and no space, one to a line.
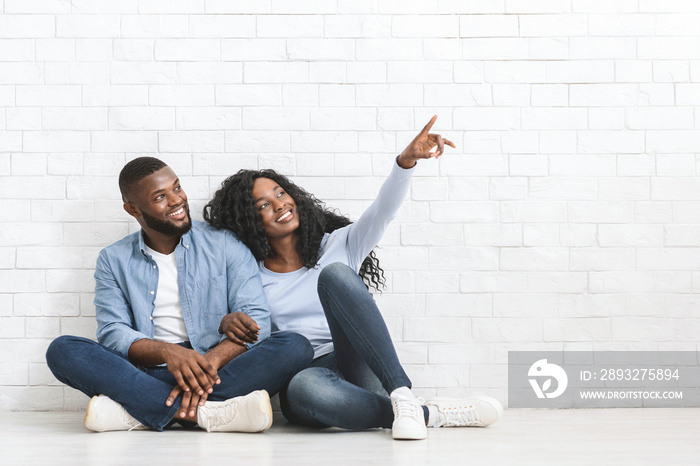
233,208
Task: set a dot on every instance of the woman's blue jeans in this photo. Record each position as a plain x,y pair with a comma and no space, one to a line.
347,388
97,370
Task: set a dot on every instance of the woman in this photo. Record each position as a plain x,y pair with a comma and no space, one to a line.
309,260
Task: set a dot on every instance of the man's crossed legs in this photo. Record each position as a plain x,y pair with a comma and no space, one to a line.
97,370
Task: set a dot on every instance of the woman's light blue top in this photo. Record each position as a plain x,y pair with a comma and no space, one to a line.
292,297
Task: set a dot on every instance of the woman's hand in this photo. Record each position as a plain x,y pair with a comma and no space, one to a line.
421,146
240,328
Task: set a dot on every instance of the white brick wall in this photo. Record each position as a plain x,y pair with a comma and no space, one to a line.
568,217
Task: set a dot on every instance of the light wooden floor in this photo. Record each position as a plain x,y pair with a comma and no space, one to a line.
612,436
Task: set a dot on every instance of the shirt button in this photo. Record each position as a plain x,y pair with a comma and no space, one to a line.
154,266
151,317
153,292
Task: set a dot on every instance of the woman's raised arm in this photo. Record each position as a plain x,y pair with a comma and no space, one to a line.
369,228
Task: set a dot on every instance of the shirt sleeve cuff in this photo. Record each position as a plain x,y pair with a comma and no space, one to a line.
396,165
398,170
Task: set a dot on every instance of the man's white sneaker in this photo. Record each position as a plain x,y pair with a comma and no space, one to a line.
479,411
409,420
249,413
104,415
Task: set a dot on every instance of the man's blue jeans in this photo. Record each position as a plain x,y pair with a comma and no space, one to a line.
347,388
97,370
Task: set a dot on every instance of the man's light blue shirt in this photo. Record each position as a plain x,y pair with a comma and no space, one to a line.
216,275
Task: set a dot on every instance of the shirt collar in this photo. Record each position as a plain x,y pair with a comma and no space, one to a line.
185,240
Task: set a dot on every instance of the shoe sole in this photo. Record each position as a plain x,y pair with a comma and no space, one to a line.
89,414
266,408
411,437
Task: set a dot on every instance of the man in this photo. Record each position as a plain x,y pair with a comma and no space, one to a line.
172,303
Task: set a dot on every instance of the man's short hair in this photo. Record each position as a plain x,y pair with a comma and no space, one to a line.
135,171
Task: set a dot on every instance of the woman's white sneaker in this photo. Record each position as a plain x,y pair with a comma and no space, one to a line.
480,411
249,413
409,420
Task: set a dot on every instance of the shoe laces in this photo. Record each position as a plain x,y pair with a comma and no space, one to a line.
407,408
459,416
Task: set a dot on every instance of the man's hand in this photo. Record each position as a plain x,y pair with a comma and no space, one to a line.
190,402
240,328
191,370
421,146
218,357
194,374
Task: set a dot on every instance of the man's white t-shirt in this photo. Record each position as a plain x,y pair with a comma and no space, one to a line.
169,324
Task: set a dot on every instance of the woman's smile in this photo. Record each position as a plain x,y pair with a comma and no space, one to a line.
285,217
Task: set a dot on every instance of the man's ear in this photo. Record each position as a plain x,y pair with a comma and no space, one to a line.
132,210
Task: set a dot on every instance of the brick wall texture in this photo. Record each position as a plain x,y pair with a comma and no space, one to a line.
567,218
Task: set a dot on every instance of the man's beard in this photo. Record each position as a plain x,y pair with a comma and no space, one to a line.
166,227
